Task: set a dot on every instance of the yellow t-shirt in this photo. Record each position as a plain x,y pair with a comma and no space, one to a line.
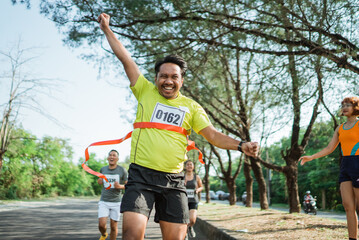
160,149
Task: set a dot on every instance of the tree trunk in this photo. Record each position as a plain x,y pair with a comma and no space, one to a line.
258,174
291,174
269,185
206,182
1,159
231,185
324,200
249,183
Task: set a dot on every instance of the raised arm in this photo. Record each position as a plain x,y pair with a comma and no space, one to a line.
131,68
223,141
326,151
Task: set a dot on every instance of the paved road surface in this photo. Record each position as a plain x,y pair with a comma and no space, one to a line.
324,214
58,220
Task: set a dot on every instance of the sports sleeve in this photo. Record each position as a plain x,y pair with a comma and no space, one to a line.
141,85
200,119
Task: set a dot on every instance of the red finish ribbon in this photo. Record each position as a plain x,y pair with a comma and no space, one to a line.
87,156
191,144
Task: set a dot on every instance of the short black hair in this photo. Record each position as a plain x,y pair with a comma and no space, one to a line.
113,150
173,58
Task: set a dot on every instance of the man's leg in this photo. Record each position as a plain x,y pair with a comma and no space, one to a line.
114,229
115,217
102,225
173,231
133,226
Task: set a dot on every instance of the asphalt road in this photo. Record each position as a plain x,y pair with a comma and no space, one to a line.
324,214
59,220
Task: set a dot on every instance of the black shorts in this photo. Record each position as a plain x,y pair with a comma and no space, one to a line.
146,187
192,205
349,170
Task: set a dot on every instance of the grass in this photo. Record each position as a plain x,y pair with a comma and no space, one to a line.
279,205
253,223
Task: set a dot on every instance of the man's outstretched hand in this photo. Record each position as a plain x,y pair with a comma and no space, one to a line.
250,149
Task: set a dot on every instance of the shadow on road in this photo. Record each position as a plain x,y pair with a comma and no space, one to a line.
60,220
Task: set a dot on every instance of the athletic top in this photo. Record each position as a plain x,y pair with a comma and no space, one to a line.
160,149
349,139
119,174
191,186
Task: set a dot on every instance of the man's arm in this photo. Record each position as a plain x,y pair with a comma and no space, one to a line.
123,179
100,181
117,185
223,141
131,68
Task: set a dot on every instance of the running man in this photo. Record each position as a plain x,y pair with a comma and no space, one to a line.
110,202
157,155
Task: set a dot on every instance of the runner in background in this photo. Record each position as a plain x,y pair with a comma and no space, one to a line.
110,202
347,134
157,155
193,186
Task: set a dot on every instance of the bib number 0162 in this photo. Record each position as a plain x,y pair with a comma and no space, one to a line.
168,115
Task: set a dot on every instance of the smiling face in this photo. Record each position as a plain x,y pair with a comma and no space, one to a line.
169,80
112,159
350,107
189,166
347,109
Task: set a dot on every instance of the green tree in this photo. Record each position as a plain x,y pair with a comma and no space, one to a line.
41,167
319,176
192,24
322,174
230,101
22,92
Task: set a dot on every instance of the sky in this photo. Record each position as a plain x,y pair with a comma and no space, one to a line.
90,107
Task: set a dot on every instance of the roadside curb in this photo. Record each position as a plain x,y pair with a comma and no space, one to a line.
212,232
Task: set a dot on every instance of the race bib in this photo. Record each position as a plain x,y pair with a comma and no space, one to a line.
190,193
168,115
111,179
